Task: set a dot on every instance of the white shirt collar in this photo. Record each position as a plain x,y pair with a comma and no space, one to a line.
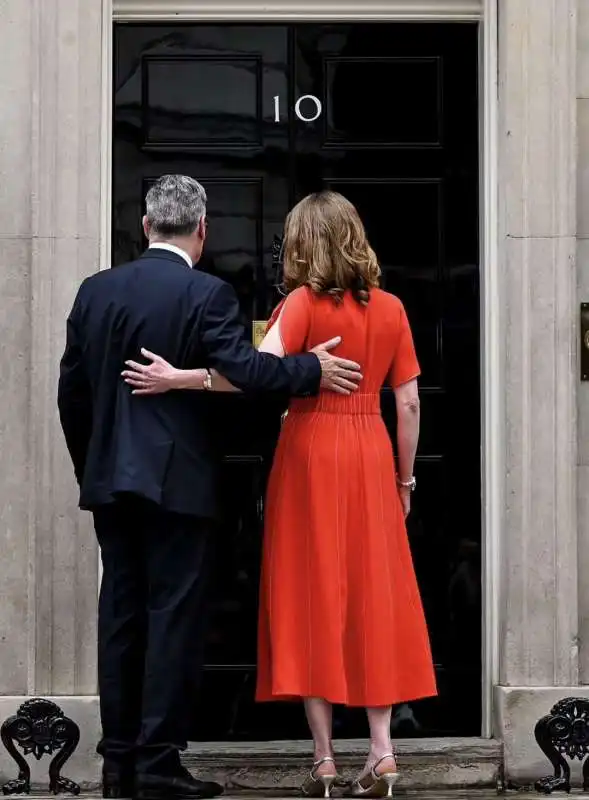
172,249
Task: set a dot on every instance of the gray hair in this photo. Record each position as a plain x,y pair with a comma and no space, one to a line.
175,205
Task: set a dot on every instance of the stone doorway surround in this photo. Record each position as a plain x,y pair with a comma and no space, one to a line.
54,230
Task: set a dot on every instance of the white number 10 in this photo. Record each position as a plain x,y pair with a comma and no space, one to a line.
310,97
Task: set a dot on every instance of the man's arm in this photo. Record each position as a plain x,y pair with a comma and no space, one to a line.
237,365
74,398
238,361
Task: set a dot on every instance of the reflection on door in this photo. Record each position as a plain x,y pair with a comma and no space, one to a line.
387,114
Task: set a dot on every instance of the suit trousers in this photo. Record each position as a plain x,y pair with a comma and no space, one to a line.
151,628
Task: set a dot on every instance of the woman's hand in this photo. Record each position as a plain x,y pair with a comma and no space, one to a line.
405,497
154,378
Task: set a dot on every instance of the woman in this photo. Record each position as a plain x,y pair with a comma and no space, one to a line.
341,619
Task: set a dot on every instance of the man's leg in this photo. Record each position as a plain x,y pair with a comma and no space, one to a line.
122,626
179,550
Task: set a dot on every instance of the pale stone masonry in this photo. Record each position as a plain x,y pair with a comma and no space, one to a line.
544,593
53,146
582,94
50,156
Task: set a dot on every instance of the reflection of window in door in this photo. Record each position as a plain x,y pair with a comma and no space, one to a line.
398,135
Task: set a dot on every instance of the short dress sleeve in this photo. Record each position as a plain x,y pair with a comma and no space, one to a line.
405,366
294,320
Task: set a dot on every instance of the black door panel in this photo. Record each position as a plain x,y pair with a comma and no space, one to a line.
397,133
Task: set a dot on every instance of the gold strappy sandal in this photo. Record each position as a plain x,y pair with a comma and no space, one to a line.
319,785
376,784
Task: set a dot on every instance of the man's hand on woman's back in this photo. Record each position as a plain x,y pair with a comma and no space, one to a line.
337,374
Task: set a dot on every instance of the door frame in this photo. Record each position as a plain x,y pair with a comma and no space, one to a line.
484,11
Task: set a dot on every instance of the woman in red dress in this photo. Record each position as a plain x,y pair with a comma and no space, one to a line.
341,619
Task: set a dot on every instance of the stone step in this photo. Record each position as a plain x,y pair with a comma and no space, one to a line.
447,794
280,767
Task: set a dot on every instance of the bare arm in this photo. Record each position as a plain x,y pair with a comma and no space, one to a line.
338,374
407,401
164,377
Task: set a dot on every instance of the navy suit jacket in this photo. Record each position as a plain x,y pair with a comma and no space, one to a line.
159,447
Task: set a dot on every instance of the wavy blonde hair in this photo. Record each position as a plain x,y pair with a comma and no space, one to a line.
325,248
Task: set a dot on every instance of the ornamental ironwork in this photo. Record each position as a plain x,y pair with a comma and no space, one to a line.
40,728
564,734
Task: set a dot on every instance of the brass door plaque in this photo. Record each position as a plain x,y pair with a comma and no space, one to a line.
584,341
258,331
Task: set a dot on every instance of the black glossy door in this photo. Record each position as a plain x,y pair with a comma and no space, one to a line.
389,117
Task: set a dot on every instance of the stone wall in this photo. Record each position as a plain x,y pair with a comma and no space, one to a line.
537,199
50,211
582,94
542,584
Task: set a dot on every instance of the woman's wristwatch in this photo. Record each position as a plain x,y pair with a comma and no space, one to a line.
410,484
207,383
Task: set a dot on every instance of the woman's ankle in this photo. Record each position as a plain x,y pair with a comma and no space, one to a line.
319,753
323,757
382,755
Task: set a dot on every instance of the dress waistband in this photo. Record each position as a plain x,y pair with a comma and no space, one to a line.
331,403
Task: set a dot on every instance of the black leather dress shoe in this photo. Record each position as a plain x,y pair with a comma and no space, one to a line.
176,787
117,785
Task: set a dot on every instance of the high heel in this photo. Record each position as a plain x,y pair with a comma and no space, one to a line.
319,785
381,783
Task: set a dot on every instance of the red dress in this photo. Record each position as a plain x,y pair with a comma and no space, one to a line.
340,613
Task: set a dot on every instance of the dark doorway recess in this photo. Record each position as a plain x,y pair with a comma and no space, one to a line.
397,133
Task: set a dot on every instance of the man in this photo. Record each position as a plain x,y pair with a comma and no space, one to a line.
146,470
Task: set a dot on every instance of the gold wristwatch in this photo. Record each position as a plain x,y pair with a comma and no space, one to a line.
207,383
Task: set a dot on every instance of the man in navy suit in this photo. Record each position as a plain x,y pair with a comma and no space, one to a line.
146,469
